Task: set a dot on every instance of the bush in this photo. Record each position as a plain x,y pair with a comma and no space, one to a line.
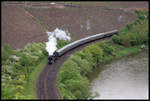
116,39
65,93
135,33
96,52
85,54
71,80
82,63
6,52
45,53
125,40
142,15
107,49
8,91
69,83
61,43
79,88
70,70
12,70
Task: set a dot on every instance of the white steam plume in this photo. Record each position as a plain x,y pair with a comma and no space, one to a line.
52,42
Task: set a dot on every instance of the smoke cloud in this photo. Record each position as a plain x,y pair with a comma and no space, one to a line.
51,45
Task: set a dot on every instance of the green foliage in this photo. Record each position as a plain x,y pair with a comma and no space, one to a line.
82,63
142,15
70,70
61,43
107,49
8,91
87,55
6,51
27,60
96,52
72,81
125,39
116,39
135,33
65,93
79,88
71,84
15,73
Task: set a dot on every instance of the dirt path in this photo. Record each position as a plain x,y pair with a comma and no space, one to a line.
46,83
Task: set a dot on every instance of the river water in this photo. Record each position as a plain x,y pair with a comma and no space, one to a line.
126,78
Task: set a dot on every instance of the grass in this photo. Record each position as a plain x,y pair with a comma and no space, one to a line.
30,86
127,51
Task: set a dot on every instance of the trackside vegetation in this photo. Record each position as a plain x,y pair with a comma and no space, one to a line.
20,69
17,65
72,80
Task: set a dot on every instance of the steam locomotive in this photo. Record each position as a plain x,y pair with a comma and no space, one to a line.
74,44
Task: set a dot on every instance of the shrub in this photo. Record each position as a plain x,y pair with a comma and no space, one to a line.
61,43
27,60
12,70
96,52
142,15
6,52
70,70
71,65
45,53
38,54
82,63
116,39
107,49
125,40
79,88
65,93
8,91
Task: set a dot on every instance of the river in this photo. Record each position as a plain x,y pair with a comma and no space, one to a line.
126,78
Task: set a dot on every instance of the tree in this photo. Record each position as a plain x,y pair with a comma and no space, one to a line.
82,63
96,52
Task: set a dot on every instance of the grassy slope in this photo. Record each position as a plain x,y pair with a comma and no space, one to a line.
30,86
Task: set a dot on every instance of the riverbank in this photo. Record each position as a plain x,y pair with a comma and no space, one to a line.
78,80
132,51
72,78
124,78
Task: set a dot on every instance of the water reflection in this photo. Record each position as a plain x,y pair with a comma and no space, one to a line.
126,78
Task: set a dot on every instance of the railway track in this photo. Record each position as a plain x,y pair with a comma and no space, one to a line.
46,83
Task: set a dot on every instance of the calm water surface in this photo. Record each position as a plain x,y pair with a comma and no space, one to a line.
126,78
